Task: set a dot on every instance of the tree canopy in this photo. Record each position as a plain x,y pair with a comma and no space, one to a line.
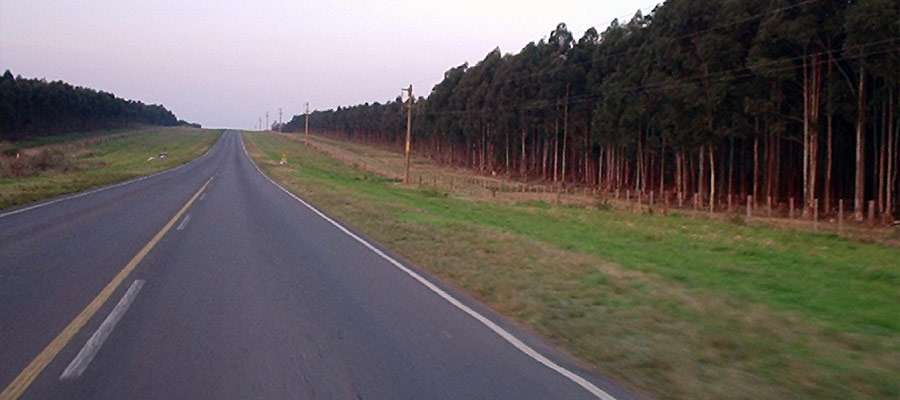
697,99
35,107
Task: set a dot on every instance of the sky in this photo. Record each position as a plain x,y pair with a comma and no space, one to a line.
225,63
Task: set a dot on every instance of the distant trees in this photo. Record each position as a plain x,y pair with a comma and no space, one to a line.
35,107
698,99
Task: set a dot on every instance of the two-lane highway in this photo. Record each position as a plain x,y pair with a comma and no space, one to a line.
228,287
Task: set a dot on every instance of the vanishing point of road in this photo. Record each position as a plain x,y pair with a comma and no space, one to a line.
209,281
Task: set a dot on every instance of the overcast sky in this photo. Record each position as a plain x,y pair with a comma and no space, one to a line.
224,63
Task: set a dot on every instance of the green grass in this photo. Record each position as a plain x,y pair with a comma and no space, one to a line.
68,137
102,161
671,306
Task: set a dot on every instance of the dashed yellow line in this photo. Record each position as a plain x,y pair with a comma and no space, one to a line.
28,375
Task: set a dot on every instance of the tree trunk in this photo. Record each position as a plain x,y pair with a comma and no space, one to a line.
881,155
507,150
712,179
830,138
806,103
524,161
815,95
662,166
565,134
859,192
731,169
889,202
756,162
701,177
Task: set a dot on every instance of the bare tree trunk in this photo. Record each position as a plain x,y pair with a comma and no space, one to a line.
556,145
522,165
679,174
565,134
600,162
830,138
859,191
806,100
639,162
712,179
731,169
662,166
701,177
587,159
545,159
889,201
756,161
507,151
776,174
881,155
815,95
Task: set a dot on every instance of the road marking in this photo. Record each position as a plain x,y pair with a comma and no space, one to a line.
90,349
98,190
503,333
185,221
28,375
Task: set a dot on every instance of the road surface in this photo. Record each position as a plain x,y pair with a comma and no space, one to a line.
211,282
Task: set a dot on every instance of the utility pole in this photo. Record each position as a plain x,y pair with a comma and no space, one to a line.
260,123
267,121
409,91
279,119
306,124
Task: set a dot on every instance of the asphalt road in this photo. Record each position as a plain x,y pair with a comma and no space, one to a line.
247,294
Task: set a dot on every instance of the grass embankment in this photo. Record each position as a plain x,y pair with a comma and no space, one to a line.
89,161
674,307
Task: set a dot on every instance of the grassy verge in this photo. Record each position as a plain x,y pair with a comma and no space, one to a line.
674,307
70,137
67,167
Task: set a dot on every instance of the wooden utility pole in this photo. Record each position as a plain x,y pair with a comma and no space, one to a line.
260,123
306,124
409,91
267,121
279,119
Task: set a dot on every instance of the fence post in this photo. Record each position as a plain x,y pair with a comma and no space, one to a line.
749,206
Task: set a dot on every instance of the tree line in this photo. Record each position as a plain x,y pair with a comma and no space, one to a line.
697,99
35,107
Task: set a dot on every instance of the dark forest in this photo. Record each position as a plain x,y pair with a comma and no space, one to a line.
706,99
32,108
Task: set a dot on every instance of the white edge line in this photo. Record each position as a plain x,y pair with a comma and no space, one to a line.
184,222
90,349
509,337
128,182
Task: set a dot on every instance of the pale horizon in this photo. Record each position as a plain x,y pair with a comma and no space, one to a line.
225,64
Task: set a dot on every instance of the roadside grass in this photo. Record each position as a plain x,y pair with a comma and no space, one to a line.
385,160
70,137
671,306
66,167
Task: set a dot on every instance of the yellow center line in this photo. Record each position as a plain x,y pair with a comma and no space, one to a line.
28,375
